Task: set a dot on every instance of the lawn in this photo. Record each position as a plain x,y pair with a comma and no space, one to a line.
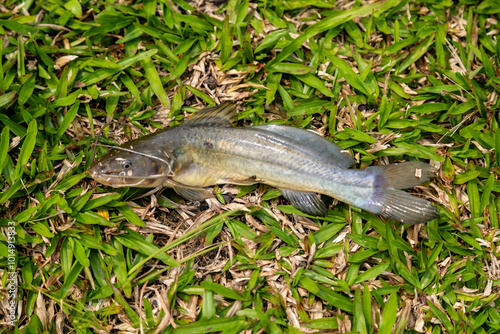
388,81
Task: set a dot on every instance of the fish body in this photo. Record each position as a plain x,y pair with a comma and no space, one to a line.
206,150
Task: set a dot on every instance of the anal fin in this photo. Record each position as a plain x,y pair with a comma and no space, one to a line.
309,203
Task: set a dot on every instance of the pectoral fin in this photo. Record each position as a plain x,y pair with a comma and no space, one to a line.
242,181
309,203
193,194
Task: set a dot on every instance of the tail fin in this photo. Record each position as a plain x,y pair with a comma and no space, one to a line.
402,206
403,175
396,204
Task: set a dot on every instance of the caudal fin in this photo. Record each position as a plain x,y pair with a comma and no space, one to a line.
402,206
390,202
403,175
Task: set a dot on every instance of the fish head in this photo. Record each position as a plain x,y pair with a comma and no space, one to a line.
123,167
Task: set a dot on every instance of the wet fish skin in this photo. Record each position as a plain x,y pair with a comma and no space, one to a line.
206,151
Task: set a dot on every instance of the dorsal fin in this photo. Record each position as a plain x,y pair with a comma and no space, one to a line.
223,114
330,150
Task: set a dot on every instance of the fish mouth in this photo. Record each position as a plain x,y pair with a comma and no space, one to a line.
107,181
115,180
118,178
103,177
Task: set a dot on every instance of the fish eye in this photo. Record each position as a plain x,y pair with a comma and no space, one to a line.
126,163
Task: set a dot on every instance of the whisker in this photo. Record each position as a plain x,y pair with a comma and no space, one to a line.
136,152
155,176
96,142
136,184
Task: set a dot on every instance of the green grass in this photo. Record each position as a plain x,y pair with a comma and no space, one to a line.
392,81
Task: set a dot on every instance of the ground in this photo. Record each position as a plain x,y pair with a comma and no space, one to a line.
388,81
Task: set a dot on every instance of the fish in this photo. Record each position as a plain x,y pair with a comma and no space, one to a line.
207,150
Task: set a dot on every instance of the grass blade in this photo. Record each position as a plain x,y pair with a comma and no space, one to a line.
155,81
68,119
388,318
27,148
